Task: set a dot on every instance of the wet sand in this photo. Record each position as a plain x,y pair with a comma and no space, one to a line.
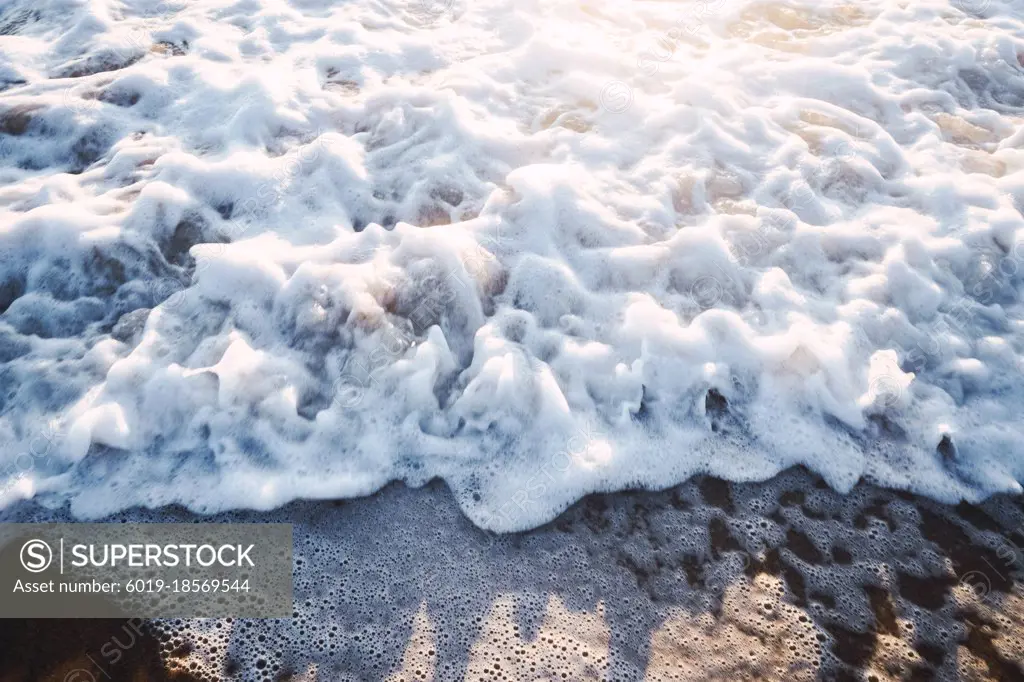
784,579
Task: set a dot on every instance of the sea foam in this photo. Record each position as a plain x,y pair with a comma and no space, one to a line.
253,252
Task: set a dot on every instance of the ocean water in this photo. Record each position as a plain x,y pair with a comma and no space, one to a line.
263,250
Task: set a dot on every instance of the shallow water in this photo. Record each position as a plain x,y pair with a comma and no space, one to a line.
260,251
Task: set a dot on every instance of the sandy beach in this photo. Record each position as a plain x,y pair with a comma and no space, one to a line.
710,580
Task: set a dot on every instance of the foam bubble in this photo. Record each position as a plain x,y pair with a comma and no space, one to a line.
272,254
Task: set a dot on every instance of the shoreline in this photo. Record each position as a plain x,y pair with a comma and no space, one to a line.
805,582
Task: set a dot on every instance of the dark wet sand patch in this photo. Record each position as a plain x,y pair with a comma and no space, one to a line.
83,651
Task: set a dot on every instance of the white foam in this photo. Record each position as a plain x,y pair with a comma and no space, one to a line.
537,249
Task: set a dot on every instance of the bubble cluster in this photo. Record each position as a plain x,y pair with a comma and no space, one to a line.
260,269
709,580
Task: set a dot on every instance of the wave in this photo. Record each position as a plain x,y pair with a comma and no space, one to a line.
256,252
